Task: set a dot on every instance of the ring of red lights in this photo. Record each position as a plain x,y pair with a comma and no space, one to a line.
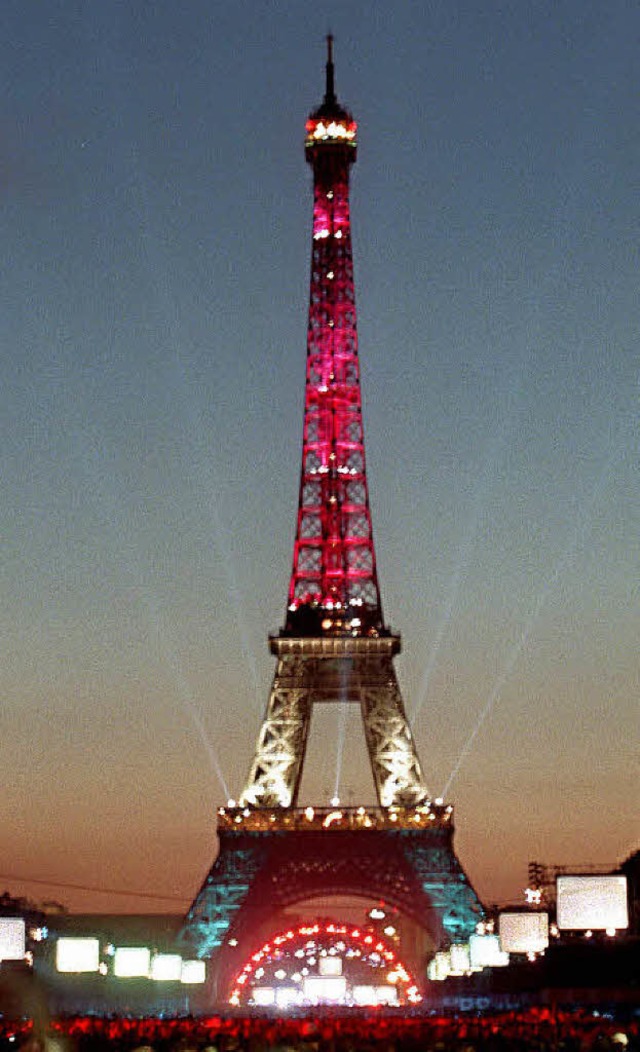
348,933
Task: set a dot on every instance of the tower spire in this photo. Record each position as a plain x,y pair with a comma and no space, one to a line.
330,95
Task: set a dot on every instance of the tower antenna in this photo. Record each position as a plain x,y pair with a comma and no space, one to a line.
330,94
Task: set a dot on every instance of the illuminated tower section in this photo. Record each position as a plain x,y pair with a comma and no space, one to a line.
334,646
334,568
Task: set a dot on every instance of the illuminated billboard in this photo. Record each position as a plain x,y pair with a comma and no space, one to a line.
594,902
132,962
77,955
193,972
459,963
522,932
320,989
485,952
12,939
166,967
287,995
375,995
440,966
263,995
386,995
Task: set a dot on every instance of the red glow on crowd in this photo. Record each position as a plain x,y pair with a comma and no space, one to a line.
533,1030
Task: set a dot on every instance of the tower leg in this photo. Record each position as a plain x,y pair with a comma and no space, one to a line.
274,777
223,894
394,759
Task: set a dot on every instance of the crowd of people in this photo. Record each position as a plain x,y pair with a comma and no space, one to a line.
534,1030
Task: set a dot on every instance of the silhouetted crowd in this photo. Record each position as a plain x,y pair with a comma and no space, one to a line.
534,1030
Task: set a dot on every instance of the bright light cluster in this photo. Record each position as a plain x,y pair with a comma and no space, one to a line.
426,815
463,958
132,962
76,955
314,974
331,131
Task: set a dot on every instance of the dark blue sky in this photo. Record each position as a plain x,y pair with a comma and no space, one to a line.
155,253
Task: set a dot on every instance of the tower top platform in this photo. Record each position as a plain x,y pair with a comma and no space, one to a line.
330,124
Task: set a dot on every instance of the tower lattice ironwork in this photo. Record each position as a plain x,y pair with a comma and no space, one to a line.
334,646
334,611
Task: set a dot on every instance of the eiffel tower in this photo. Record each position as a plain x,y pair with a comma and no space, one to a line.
334,646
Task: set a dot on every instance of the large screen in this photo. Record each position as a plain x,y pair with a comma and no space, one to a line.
12,939
77,955
592,902
287,995
193,972
386,995
522,932
323,988
263,995
375,995
166,967
440,966
485,952
459,958
132,962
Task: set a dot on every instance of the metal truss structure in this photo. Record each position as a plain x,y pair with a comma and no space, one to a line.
334,568
334,668
334,647
270,861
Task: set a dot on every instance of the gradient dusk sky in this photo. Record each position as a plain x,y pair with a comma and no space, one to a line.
156,232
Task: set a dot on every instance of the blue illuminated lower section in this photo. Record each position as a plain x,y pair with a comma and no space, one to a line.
445,884
258,873
222,896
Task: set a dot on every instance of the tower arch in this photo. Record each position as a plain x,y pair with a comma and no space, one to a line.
313,943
